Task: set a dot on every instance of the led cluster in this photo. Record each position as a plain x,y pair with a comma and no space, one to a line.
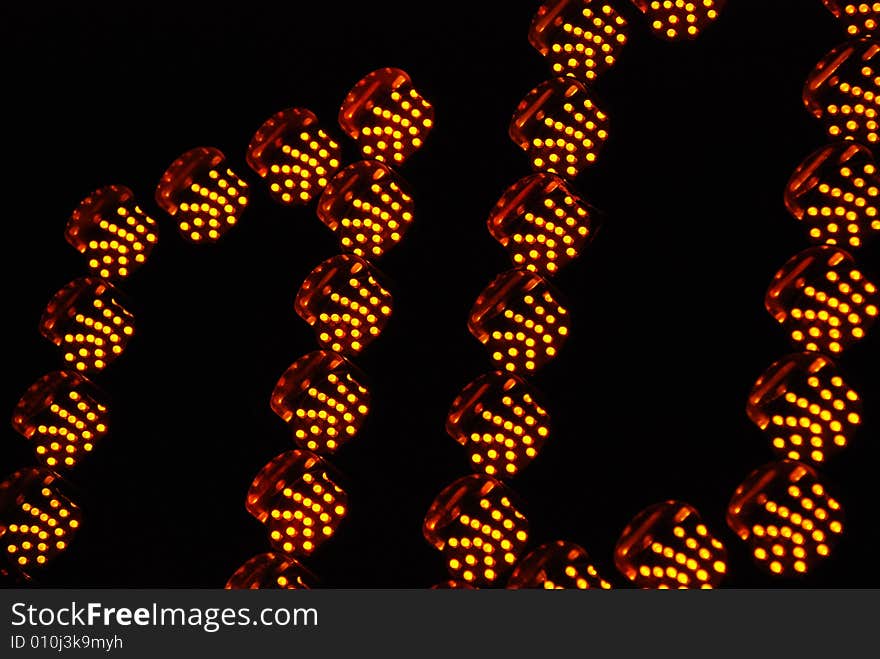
499,419
861,17
844,92
559,127
37,520
579,38
271,570
518,317
542,223
368,206
680,19
295,156
835,193
476,525
557,566
669,546
802,403
823,300
62,415
786,516
113,233
206,199
88,322
387,116
345,302
322,400
297,498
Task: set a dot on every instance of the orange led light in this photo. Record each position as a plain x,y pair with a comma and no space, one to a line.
271,570
474,523
823,300
541,223
322,399
805,407
345,302
114,234
62,415
498,417
296,497
88,322
580,38
294,154
860,18
386,116
37,520
206,200
835,193
668,546
844,92
519,319
368,206
452,584
559,127
786,516
680,19
557,565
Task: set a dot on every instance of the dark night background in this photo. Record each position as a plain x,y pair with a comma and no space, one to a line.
669,332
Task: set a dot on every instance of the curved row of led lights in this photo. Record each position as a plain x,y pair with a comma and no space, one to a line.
322,396
781,509
544,225
824,302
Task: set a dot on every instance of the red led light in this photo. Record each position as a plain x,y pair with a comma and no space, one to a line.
114,234
206,200
499,419
62,415
557,566
386,116
322,399
668,546
88,322
294,154
368,206
786,516
271,570
542,223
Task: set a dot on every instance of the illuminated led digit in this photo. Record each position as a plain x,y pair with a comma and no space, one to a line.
668,546
835,193
271,570
844,92
294,154
541,223
559,127
386,116
88,322
823,300
114,234
680,19
499,419
786,516
345,302
519,319
805,407
322,399
474,523
368,206
859,18
296,497
580,38
62,415
557,566
206,200
37,520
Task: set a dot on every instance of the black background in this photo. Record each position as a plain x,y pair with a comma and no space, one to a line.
669,332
